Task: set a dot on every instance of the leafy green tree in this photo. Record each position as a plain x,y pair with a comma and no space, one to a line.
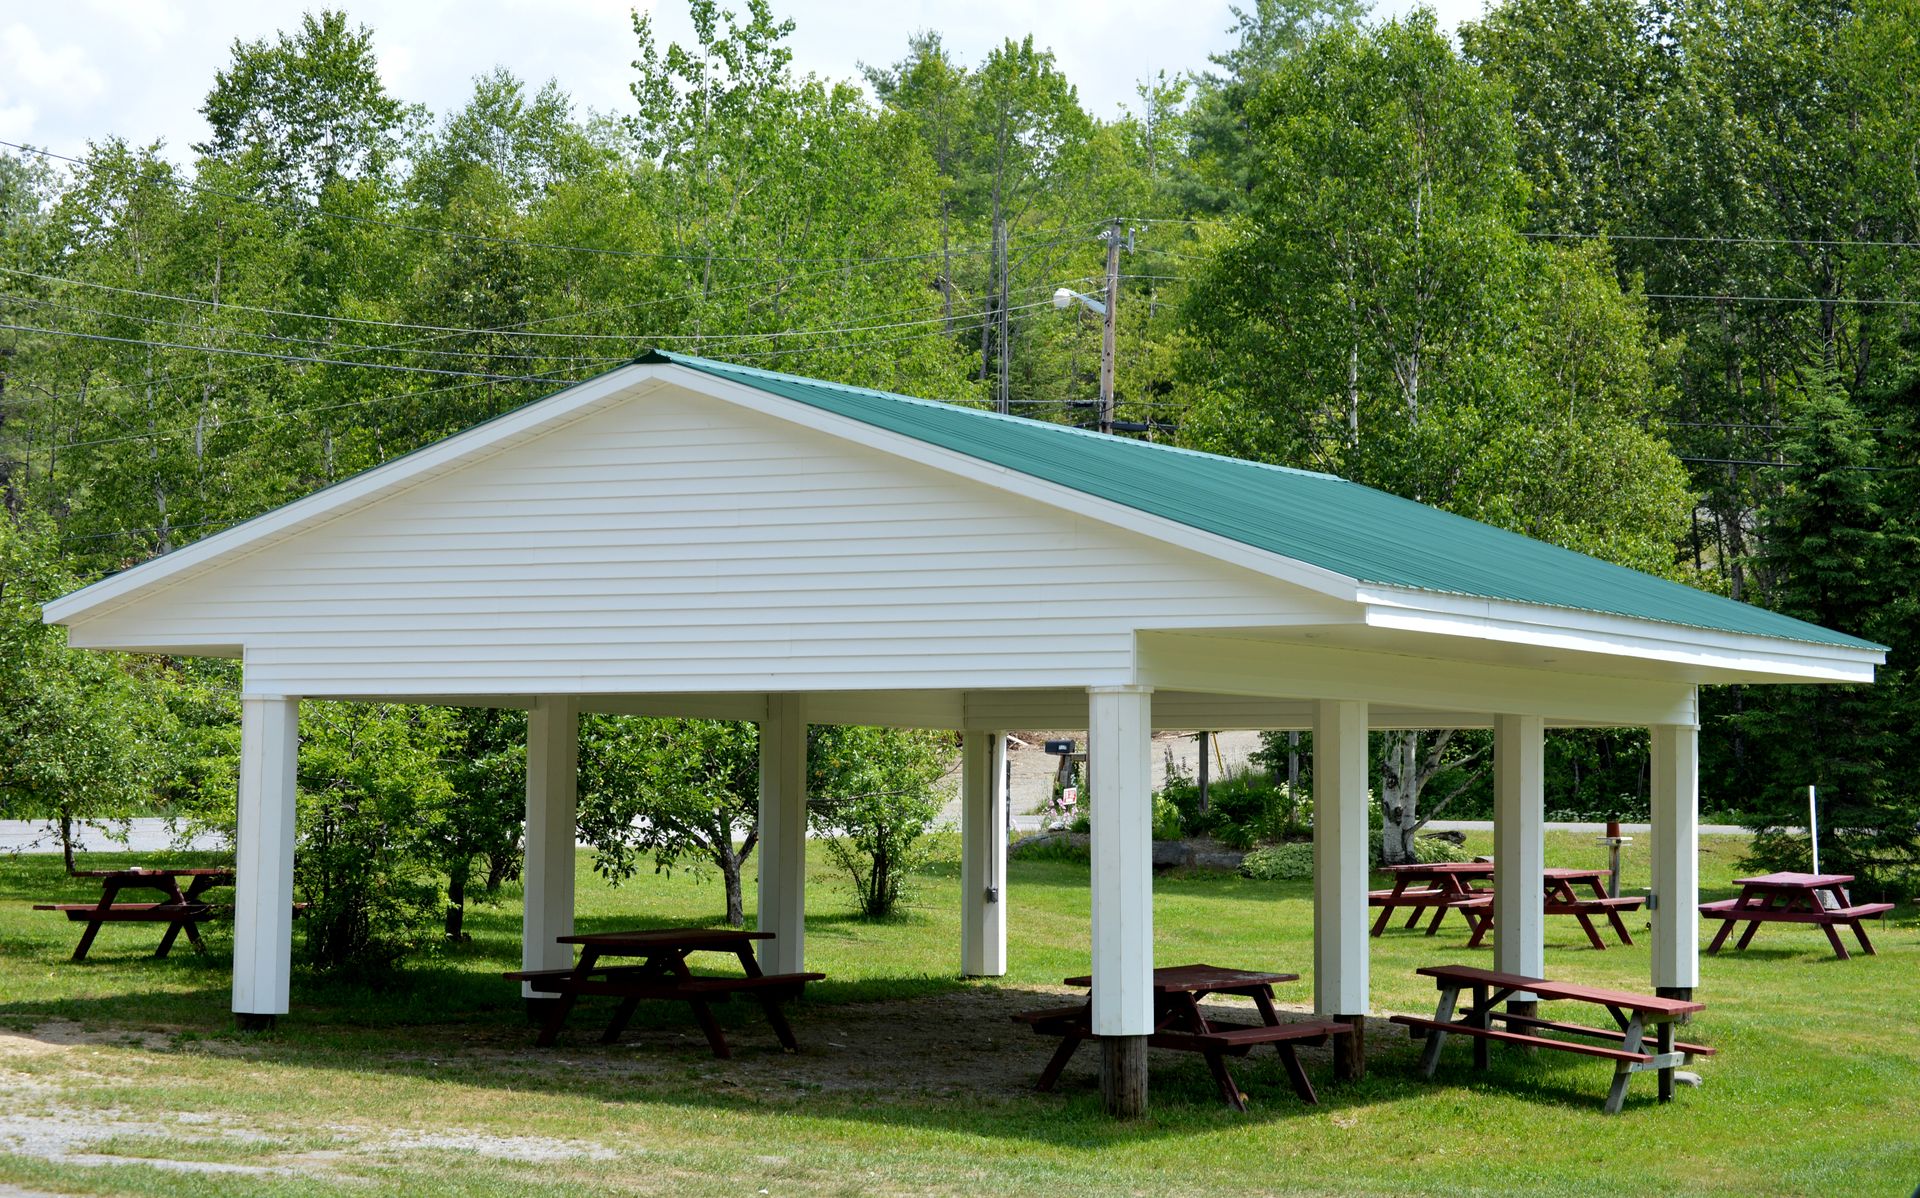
1376,314
76,728
474,836
675,790
872,798
369,777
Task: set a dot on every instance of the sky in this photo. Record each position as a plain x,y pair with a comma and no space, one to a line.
74,71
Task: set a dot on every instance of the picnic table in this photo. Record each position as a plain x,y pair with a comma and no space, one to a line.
181,911
1562,898
1440,886
1179,1024
1794,898
663,973
1625,1045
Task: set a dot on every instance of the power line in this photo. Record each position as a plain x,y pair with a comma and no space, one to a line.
1785,299
248,353
1715,240
491,239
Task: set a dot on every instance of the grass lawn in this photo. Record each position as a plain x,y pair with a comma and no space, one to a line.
123,1075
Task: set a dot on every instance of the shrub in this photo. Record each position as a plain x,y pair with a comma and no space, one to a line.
1279,863
871,793
1433,850
1166,819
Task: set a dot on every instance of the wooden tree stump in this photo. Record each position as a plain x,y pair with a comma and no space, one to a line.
1123,1076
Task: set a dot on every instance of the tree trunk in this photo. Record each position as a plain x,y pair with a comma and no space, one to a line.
1404,773
457,906
66,840
736,905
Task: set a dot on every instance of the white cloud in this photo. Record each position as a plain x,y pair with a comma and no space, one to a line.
35,68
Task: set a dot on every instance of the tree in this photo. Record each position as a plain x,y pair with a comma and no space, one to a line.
871,797
475,833
677,790
1375,313
76,728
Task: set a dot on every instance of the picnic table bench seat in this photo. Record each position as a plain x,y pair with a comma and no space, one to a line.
1824,915
1512,1019
137,912
1478,908
1521,1038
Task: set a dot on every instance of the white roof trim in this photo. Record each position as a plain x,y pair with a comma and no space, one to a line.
1614,635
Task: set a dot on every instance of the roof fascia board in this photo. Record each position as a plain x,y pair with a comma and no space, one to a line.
1621,636
381,482
1159,528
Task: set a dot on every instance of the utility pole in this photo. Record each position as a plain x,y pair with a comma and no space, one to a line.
1106,336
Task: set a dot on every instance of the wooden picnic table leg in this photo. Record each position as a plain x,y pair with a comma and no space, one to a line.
1450,886
1184,1008
563,1003
1593,936
1663,1043
174,927
1613,916
1623,1070
1481,923
1442,1013
1069,1044
109,890
1296,1074
1833,938
1386,908
1727,923
769,1003
1860,934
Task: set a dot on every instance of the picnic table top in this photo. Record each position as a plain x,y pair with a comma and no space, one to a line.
144,871
1646,1004
1442,867
666,938
1788,880
1574,875
1195,979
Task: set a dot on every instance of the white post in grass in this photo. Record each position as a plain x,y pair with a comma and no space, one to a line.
783,835
1341,854
1119,724
1675,764
1519,846
983,854
553,765
263,867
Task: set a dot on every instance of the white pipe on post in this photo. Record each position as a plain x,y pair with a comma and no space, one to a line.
553,786
983,854
1675,765
783,835
1519,845
263,858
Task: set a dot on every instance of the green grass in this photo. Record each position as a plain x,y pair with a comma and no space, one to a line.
1816,1089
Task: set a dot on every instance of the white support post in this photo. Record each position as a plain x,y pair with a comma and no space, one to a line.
1119,728
553,772
1341,854
983,854
1675,763
263,873
1519,845
783,835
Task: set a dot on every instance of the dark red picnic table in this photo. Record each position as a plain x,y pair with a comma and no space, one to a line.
663,973
1448,886
1625,1044
1789,897
1180,1024
181,911
1563,898
1441,886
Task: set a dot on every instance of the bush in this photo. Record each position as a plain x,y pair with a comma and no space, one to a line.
1242,808
1435,850
1166,819
871,793
1279,863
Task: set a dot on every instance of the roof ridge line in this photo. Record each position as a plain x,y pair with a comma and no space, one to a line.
654,357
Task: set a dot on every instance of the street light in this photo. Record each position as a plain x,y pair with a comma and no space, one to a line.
1066,295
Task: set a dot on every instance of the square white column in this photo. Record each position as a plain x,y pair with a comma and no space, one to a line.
1119,725
553,774
1675,763
1519,844
783,835
263,857
983,854
1341,855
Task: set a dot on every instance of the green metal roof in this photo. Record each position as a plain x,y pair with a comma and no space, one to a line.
1352,530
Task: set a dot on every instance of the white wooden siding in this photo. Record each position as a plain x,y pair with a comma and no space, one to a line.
675,542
